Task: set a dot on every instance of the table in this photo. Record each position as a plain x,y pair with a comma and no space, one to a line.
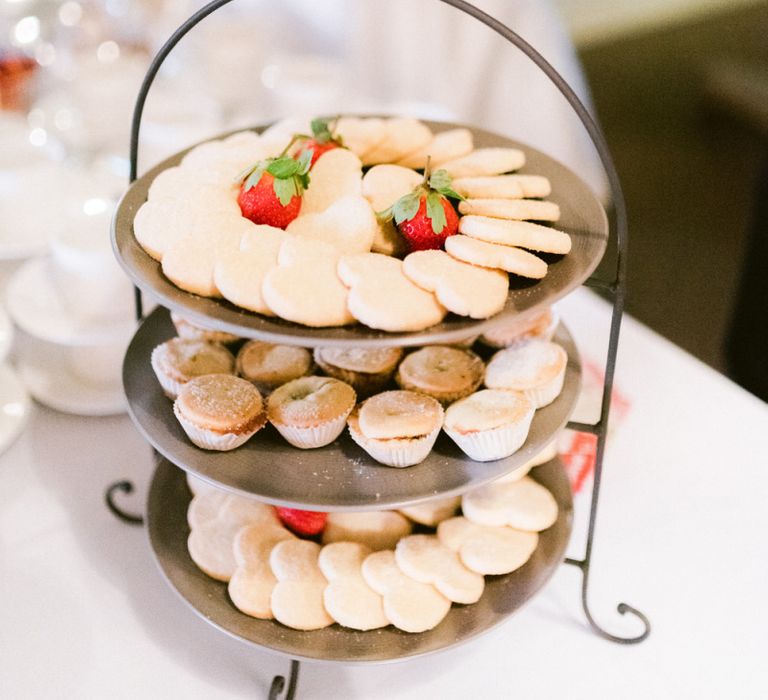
681,536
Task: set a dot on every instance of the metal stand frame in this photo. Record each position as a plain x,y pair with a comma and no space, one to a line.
615,288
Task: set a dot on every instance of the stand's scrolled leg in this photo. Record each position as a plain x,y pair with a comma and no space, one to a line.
109,498
278,684
622,608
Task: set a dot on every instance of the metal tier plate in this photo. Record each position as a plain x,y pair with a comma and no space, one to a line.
340,476
582,216
503,595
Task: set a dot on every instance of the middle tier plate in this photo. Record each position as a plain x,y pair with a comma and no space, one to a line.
338,477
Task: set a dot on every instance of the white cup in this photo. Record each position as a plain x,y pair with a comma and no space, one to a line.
87,278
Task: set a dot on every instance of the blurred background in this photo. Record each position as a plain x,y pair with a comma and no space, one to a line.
679,86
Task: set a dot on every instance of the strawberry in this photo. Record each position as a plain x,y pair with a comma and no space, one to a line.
272,189
302,522
426,217
322,140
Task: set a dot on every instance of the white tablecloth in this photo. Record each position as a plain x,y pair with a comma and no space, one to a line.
681,535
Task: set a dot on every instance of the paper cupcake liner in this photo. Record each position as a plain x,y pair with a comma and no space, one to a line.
545,394
316,436
397,452
171,387
364,383
490,445
210,439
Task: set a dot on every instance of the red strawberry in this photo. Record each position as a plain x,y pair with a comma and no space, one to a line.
426,217
303,522
322,140
272,189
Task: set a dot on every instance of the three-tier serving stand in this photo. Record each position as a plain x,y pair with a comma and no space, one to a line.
344,479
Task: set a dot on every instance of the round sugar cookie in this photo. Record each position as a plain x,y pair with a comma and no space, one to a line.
382,297
383,185
513,209
409,605
348,224
338,173
523,504
503,186
402,135
361,134
463,289
485,161
490,551
524,234
432,512
179,183
515,260
380,529
427,560
444,146
297,598
348,599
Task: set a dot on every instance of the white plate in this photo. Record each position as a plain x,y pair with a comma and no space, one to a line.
54,384
6,334
36,308
14,407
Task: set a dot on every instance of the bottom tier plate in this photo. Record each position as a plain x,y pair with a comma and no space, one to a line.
169,497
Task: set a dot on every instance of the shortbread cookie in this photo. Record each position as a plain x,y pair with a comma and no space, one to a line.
361,134
190,261
276,137
383,185
226,159
425,559
490,551
464,289
297,598
489,425
305,287
348,224
379,529
239,273
513,209
516,233
503,257
338,173
445,146
215,519
503,186
535,368
382,297
485,161
402,136
348,599
252,583
184,184
432,512
409,605
524,505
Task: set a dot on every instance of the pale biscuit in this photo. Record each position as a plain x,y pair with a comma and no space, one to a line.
490,551
503,257
409,605
523,234
432,512
348,599
425,559
252,583
383,185
337,173
464,289
402,136
361,134
297,598
512,209
380,529
485,161
349,224
239,273
215,519
190,261
503,186
185,184
305,287
225,160
278,135
524,505
159,224
382,297
445,146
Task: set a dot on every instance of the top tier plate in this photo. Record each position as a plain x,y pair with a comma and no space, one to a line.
582,216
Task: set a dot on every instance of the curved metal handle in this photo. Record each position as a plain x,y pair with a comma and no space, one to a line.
595,134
